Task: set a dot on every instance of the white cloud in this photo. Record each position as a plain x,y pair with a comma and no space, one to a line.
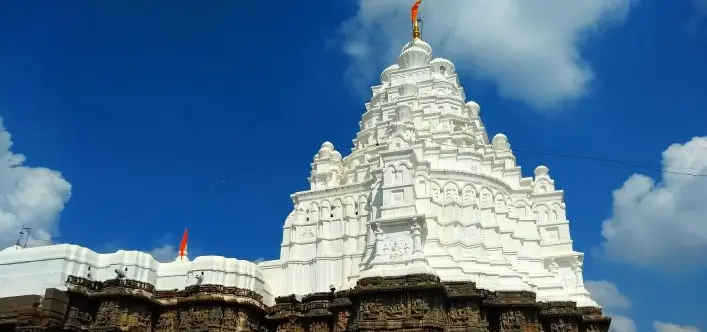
607,294
531,49
29,196
668,327
609,297
662,224
165,253
621,324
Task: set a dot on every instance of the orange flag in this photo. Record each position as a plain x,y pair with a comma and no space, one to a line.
183,244
415,10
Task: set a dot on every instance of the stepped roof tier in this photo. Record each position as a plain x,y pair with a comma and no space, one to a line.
423,191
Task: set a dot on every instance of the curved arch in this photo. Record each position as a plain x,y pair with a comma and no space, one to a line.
542,186
337,208
362,204
325,210
399,141
435,190
469,194
541,211
485,196
451,191
313,212
558,212
421,187
349,206
500,200
522,207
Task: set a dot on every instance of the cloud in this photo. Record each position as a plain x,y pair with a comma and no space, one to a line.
607,294
668,327
530,49
622,324
165,253
662,224
29,196
609,297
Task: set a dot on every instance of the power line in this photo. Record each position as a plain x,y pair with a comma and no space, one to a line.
605,160
25,238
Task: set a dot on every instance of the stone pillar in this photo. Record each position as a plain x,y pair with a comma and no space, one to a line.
577,269
416,237
378,244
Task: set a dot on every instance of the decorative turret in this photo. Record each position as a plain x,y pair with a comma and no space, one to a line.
327,168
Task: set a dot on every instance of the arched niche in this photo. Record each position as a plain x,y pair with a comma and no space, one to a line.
451,191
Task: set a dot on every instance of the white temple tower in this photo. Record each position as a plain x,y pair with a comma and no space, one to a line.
425,191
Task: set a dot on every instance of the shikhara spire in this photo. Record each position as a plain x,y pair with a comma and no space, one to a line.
424,190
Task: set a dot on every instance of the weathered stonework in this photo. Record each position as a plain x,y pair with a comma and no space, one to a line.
412,303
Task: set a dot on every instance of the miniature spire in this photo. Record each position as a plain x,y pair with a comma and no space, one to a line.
415,11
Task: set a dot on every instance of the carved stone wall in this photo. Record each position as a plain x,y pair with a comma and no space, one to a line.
413,303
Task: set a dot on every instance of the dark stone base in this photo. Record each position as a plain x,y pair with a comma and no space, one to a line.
413,303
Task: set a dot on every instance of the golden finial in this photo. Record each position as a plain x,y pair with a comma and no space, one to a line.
415,11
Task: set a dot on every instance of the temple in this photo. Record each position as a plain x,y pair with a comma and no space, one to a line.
427,225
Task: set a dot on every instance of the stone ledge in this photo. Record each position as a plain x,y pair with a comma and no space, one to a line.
417,302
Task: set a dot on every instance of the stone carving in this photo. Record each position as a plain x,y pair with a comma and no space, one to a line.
241,320
290,326
308,232
395,308
463,315
396,249
319,327
411,302
342,321
419,308
371,310
78,316
562,324
167,321
512,321
108,313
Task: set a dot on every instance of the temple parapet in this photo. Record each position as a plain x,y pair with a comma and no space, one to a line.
418,302
26,271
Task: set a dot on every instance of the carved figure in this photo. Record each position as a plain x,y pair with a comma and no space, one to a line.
241,321
107,313
371,311
167,321
290,326
511,321
395,309
419,307
319,327
396,249
342,321
229,320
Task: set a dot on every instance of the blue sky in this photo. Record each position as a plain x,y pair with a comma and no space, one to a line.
163,115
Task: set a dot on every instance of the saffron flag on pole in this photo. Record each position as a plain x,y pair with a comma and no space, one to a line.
183,244
415,10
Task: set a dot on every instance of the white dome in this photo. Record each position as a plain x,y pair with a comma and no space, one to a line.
415,54
442,66
475,108
385,75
